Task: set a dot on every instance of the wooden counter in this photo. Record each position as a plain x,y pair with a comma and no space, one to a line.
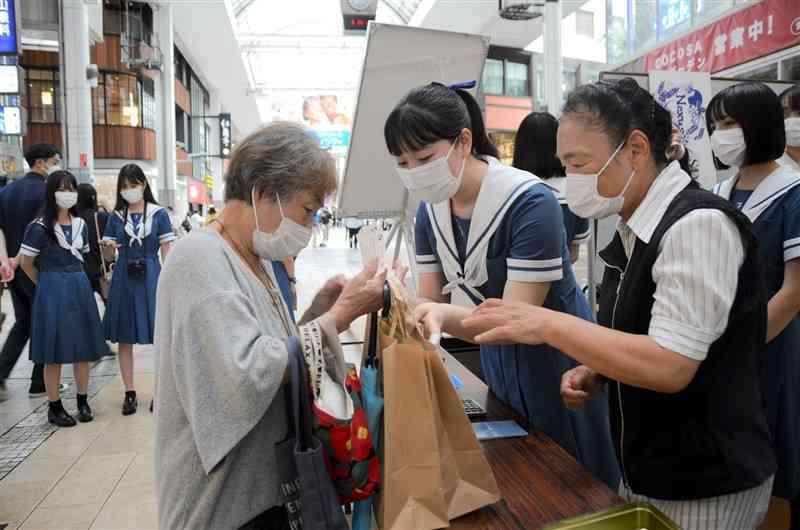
539,481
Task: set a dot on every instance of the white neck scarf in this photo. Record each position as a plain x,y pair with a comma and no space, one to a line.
138,233
77,237
500,188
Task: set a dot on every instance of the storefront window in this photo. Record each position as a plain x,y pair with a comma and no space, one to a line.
706,10
180,126
493,77
117,100
645,24
617,45
43,96
123,104
674,17
517,82
149,106
791,69
764,73
99,101
504,141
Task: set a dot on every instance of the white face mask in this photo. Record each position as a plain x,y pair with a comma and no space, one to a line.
729,146
792,132
584,199
434,182
53,169
66,199
133,195
285,242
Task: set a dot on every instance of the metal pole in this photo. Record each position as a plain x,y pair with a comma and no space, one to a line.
62,100
592,257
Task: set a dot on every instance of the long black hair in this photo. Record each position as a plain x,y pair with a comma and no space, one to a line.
435,112
132,174
49,212
758,111
535,146
620,107
87,198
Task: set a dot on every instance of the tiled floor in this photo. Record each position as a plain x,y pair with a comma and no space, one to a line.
100,475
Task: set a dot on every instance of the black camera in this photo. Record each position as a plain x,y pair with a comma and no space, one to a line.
137,268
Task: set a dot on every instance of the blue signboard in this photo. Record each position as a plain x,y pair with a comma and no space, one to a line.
8,28
671,13
10,120
333,139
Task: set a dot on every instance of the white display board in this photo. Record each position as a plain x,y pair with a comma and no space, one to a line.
398,59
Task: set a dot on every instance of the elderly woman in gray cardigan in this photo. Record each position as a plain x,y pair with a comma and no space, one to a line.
221,328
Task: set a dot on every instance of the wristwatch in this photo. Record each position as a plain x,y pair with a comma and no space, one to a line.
292,280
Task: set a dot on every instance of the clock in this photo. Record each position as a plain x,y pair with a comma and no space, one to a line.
359,5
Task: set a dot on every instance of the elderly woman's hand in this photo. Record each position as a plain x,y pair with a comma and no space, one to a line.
363,294
327,296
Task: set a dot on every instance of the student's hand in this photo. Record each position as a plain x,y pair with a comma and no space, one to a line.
400,271
430,316
579,385
6,271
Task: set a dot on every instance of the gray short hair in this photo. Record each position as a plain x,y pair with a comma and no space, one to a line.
282,158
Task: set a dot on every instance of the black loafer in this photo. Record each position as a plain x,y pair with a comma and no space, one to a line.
85,413
129,406
61,418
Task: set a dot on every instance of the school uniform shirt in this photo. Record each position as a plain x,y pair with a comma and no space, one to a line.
20,203
65,323
130,311
695,290
516,233
774,209
577,228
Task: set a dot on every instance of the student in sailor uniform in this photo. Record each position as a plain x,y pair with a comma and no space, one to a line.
138,228
65,326
790,100
489,230
748,133
535,152
683,321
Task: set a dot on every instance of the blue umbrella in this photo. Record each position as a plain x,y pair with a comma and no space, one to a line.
372,394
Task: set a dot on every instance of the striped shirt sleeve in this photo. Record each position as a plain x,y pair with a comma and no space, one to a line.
427,259
582,231
791,228
163,227
113,230
34,240
537,238
695,282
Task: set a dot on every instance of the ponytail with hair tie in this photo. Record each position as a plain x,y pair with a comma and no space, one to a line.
432,113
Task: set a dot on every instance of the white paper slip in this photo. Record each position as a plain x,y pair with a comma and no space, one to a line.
370,241
490,430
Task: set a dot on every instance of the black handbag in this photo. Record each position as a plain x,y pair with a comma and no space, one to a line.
309,495
137,268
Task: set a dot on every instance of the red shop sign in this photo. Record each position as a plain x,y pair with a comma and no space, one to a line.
197,192
761,29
